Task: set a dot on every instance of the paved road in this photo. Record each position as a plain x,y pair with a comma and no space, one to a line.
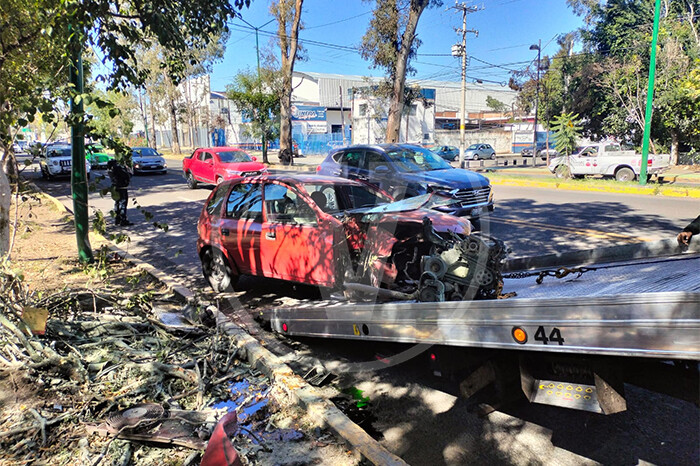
418,417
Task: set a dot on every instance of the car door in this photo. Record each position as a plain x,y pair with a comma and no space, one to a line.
350,161
296,245
377,171
241,227
205,170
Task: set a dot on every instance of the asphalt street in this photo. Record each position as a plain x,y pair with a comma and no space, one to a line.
418,417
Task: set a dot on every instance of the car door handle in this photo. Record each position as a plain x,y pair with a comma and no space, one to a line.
336,173
225,231
271,235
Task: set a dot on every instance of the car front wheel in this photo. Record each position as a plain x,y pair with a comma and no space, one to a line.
493,156
191,182
562,171
217,271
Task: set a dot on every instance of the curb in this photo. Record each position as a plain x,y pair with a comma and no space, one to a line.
680,192
324,412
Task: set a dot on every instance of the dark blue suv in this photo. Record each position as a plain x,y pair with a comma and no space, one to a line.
406,170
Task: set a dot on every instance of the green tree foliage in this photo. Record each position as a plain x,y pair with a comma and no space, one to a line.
116,125
495,104
34,56
390,43
258,100
608,81
567,130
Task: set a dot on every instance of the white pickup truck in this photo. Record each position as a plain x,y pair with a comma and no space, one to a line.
607,159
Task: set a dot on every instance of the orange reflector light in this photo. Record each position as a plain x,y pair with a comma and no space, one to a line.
519,335
284,327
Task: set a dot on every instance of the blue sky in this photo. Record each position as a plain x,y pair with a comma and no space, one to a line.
333,27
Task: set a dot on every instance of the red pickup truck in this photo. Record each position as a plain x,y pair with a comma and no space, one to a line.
216,164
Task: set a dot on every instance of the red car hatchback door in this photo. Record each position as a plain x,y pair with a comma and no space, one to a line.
241,226
295,244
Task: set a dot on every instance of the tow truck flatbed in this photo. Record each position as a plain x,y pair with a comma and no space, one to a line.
647,307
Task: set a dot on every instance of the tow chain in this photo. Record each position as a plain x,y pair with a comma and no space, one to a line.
561,272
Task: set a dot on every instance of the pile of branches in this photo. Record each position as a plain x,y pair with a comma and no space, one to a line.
100,353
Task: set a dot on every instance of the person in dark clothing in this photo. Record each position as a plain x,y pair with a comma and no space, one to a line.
693,228
120,177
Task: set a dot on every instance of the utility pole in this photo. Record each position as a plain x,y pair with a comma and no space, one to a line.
342,113
257,51
650,97
537,47
461,50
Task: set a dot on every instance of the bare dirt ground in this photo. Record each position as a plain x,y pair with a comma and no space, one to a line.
109,345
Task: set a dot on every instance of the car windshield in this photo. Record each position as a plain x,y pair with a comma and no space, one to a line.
145,152
234,156
417,159
59,152
473,146
335,198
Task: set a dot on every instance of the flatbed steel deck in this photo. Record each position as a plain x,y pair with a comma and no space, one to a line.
648,307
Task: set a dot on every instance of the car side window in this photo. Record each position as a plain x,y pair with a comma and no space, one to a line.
245,202
373,159
283,205
214,205
351,158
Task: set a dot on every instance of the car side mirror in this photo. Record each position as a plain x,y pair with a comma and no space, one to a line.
255,159
381,170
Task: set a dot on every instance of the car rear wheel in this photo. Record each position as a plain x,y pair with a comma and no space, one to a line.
624,174
191,182
217,271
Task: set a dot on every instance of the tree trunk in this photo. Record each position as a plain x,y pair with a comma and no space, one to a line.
674,147
5,204
153,124
173,128
288,48
393,124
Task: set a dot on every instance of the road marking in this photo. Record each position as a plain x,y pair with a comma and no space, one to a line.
579,231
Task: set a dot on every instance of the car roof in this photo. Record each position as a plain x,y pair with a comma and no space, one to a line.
382,147
303,178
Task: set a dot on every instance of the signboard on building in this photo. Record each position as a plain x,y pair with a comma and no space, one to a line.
316,127
308,113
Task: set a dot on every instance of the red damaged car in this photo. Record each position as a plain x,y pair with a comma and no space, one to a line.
216,164
339,233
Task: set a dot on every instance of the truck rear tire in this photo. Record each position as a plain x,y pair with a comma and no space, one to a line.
624,174
191,182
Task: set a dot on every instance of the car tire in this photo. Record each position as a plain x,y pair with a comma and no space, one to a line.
217,272
475,157
191,182
493,156
625,174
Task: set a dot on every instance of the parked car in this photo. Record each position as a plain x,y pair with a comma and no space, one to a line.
541,151
97,156
20,146
405,170
216,164
608,159
329,231
147,160
449,153
56,160
479,151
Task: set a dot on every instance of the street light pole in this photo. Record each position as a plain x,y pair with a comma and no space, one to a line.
537,47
